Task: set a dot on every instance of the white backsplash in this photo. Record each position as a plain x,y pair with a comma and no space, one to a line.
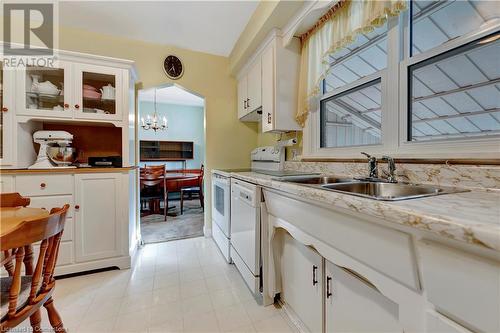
480,177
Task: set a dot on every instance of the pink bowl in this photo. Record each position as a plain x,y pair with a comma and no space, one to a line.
88,87
91,94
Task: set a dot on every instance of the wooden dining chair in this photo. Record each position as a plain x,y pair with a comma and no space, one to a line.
11,200
194,190
154,180
23,295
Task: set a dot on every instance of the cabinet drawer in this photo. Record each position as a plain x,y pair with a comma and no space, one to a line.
6,184
53,201
462,286
436,323
65,256
33,185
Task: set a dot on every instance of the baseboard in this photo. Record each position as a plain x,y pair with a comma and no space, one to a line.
207,232
292,317
120,262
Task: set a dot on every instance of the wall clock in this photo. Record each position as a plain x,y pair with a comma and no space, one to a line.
173,67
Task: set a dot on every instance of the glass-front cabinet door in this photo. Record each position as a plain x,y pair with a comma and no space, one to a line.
45,91
6,115
98,92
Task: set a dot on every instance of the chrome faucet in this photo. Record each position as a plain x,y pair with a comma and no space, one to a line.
372,165
391,166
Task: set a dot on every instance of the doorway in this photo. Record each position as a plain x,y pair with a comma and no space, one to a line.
171,135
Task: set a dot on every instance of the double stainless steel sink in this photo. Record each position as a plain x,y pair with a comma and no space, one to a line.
376,189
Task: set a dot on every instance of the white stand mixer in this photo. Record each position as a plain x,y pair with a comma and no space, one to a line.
48,139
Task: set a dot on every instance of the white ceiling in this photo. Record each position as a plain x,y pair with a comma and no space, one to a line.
171,95
205,26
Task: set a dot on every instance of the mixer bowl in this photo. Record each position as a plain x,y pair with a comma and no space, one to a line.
62,155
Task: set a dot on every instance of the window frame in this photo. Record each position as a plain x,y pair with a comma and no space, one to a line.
394,85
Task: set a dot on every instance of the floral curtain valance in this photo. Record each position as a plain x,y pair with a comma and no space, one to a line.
335,30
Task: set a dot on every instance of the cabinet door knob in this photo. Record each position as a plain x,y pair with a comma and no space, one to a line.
77,106
328,282
315,280
77,206
66,105
4,109
43,185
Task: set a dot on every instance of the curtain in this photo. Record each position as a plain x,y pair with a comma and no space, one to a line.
338,28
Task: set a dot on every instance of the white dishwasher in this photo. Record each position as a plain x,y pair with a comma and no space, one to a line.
245,232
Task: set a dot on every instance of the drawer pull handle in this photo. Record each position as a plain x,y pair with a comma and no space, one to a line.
4,109
315,280
77,206
66,105
77,106
328,292
43,185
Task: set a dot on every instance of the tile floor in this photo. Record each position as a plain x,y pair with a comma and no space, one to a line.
178,286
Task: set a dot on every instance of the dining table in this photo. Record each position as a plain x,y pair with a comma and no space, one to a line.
173,176
12,217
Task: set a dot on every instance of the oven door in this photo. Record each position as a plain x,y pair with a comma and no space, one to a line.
221,203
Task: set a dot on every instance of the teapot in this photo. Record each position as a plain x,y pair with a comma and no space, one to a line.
108,92
45,87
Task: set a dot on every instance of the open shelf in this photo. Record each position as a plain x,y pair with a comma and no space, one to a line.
166,150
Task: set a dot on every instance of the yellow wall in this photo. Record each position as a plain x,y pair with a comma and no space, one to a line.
228,141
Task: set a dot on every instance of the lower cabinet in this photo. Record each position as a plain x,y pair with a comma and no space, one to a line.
310,284
302,282
98,216
354,305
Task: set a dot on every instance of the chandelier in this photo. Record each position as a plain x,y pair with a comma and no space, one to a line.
153,122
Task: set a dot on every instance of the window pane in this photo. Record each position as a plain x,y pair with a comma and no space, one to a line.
457,94
352,118
436,22
367,55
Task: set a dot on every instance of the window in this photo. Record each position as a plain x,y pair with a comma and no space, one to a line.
425,83
352,118
456,94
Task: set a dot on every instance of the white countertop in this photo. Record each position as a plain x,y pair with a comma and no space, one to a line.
471,217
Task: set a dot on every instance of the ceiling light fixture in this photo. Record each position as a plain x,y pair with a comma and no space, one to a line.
153,122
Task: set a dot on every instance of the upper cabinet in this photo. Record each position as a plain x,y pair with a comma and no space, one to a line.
6,115
268,86
70,90
98,92
280,84
45,92
250,92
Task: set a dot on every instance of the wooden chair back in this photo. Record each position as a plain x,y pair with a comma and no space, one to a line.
49,231
154,168
13,200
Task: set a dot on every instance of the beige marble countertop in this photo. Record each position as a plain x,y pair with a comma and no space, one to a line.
471,217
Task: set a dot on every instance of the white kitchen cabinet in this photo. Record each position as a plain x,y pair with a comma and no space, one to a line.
437,323
99,216
254,86
302,281
250,92
464,286
76,93
242,97
6,116
45,92
355,305
6,184
280,76
100,78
